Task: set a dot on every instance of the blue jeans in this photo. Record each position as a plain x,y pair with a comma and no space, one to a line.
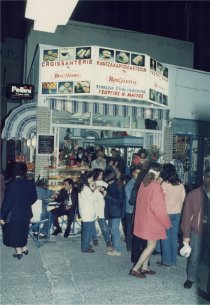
87,233
193,260
104,230
114,226
170,245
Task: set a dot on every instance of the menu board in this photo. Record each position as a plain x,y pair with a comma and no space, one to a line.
45,144
103,72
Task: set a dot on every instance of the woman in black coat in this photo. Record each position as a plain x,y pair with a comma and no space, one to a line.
16,210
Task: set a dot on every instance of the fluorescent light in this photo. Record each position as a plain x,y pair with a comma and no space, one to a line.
48,14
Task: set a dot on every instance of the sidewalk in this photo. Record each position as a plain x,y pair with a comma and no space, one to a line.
58,273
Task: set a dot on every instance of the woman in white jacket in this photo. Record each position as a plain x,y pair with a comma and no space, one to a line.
100,205
87,211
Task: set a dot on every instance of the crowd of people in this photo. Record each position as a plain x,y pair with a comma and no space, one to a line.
148,200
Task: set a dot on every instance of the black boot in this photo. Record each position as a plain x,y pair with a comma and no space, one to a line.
66,234
57,231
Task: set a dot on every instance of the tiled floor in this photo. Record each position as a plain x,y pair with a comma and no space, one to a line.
58,273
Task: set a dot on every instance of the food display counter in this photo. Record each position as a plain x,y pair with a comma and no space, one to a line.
57,175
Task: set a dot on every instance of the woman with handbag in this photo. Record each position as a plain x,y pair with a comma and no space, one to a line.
16,210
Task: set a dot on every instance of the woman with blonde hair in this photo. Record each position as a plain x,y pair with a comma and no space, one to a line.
151,219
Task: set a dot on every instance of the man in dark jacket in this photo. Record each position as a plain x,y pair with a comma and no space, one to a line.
114,204
195,226
68,198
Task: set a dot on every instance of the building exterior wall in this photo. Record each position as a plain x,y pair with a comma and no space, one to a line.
11,70
168,144
42,126
166,50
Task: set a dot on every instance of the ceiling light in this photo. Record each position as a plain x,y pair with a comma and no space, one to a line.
59,12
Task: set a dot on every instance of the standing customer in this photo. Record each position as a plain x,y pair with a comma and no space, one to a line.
16,210
174,197
130,208
151,219
2,184
87,211
113,210
100,205
195,224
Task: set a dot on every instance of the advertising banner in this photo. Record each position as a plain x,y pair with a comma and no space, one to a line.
66,71
102,72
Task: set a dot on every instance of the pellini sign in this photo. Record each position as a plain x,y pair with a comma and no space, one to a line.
17,91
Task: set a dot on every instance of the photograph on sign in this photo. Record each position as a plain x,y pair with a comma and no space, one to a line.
83,53
50,55
138,60
65,87
67,54
106,54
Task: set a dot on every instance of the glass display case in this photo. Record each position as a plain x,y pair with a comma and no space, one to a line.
57,175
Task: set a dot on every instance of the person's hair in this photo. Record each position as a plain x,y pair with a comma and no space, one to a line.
84,180
125,178
206,172
142,151
96,173
140,178
109,175
100,148
42,182
80,148
149,177
69,181
19,169
100,154
134,168
169,174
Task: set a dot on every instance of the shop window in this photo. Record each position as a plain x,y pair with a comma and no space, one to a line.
95,108
115,110
105,109
85,107
134,112
74,106
125,111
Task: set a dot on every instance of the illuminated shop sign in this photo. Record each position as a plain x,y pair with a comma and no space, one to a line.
17,91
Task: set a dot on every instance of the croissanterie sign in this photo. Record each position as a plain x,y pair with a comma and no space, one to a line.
103,72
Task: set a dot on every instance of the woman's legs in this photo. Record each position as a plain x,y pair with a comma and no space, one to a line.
18,250
144,257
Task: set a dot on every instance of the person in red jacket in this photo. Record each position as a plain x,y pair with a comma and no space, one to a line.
195,226
151,218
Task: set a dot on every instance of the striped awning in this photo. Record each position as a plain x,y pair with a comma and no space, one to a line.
21,123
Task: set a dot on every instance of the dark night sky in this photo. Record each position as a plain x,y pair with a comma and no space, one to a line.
176,19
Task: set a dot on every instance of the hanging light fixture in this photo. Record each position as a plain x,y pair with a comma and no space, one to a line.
60,12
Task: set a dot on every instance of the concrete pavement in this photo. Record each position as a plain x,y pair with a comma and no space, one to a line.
58,273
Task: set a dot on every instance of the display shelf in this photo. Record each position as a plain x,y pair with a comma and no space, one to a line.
57,175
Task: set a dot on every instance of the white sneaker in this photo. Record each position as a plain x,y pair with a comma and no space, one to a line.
114,253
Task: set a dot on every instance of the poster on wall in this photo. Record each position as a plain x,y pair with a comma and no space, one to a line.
45,144
66,71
